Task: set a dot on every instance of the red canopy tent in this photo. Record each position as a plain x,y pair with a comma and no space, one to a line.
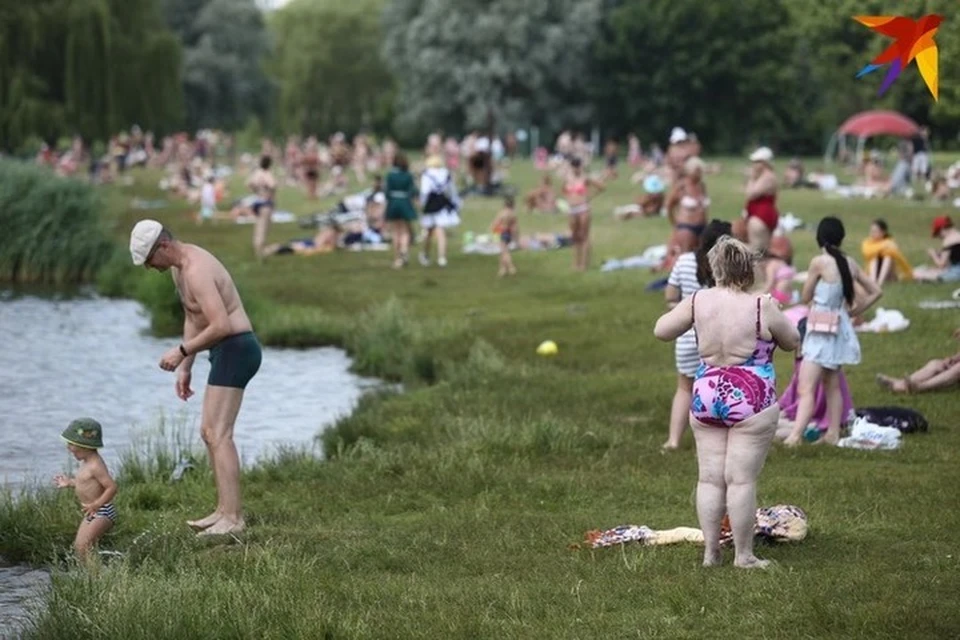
871,123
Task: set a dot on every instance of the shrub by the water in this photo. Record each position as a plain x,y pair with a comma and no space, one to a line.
50,227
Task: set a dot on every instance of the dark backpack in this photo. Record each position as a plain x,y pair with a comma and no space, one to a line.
438,200
906,420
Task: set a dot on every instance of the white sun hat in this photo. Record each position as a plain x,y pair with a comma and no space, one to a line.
763,154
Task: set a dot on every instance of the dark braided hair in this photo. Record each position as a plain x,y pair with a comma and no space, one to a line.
830,234
714,231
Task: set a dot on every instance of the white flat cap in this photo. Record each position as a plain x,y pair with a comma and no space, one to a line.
142,239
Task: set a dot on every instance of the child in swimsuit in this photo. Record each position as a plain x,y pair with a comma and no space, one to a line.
94,486
505,224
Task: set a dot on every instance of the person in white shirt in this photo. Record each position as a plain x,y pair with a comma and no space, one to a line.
440,205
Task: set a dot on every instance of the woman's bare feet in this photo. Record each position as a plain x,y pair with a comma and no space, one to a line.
669,446
896,385
792,440
751,562
224,526
712,558
204,523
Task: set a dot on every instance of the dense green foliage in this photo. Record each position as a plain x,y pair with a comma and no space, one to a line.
87,67
736,72
328,67
225,43
51,228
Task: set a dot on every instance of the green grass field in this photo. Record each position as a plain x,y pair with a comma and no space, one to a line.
448,510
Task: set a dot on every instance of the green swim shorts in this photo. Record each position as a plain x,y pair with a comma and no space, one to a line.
234,360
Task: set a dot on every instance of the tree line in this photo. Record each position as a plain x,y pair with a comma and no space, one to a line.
738,72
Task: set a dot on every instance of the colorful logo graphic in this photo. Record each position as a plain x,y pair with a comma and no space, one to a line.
914,40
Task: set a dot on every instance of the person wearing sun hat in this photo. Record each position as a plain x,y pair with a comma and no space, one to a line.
761,212
94,486
948,256
214,320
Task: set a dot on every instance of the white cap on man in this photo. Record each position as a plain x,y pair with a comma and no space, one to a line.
677,135
143,238
763,154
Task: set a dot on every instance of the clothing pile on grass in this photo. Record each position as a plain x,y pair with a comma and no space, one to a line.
779,523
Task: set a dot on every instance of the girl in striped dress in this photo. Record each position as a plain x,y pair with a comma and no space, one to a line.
690,273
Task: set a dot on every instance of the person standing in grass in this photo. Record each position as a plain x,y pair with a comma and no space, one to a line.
264,186
831,341
401,192
577,191
506,226
214,319
734,410
94,486
690,273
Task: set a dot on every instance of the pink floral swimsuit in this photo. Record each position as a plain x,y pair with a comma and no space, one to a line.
725,396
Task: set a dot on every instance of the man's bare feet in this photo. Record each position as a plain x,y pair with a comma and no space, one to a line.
204,523
751,562
224,526
712,559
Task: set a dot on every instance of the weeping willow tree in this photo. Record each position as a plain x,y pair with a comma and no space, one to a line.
87,67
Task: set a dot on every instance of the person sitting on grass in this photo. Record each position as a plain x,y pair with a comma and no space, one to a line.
505,225
542,199
94,487
933,376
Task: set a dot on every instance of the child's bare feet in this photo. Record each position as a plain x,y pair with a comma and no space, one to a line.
751,562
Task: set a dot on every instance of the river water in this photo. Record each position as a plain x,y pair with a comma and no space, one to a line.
65,357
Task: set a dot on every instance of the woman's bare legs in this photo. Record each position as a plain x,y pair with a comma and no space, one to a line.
933,375
425,249
711,487
810,374
400,242
441,234
831,385
585,219
747,447
575,237
758,234
679,412
883,273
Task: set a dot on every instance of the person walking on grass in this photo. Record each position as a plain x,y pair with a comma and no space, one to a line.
401,191
214,319
94,486
505,225
440,205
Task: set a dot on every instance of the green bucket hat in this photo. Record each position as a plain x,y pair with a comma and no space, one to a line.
84,432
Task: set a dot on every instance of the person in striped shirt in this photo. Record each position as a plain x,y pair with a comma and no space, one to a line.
690,273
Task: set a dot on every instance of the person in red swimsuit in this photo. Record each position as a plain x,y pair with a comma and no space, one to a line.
761,211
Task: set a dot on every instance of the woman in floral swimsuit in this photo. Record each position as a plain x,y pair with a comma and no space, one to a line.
734,411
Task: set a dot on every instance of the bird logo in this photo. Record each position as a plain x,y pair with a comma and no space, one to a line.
914,41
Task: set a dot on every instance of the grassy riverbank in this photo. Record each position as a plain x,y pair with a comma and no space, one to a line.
448,510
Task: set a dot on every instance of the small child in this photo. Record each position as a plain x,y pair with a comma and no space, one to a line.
208,199
94,487
505,224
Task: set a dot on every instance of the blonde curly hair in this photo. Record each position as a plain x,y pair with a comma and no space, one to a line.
733,264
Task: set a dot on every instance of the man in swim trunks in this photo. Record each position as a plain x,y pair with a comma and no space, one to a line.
216,320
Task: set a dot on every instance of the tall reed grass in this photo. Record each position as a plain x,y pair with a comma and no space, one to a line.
50,227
